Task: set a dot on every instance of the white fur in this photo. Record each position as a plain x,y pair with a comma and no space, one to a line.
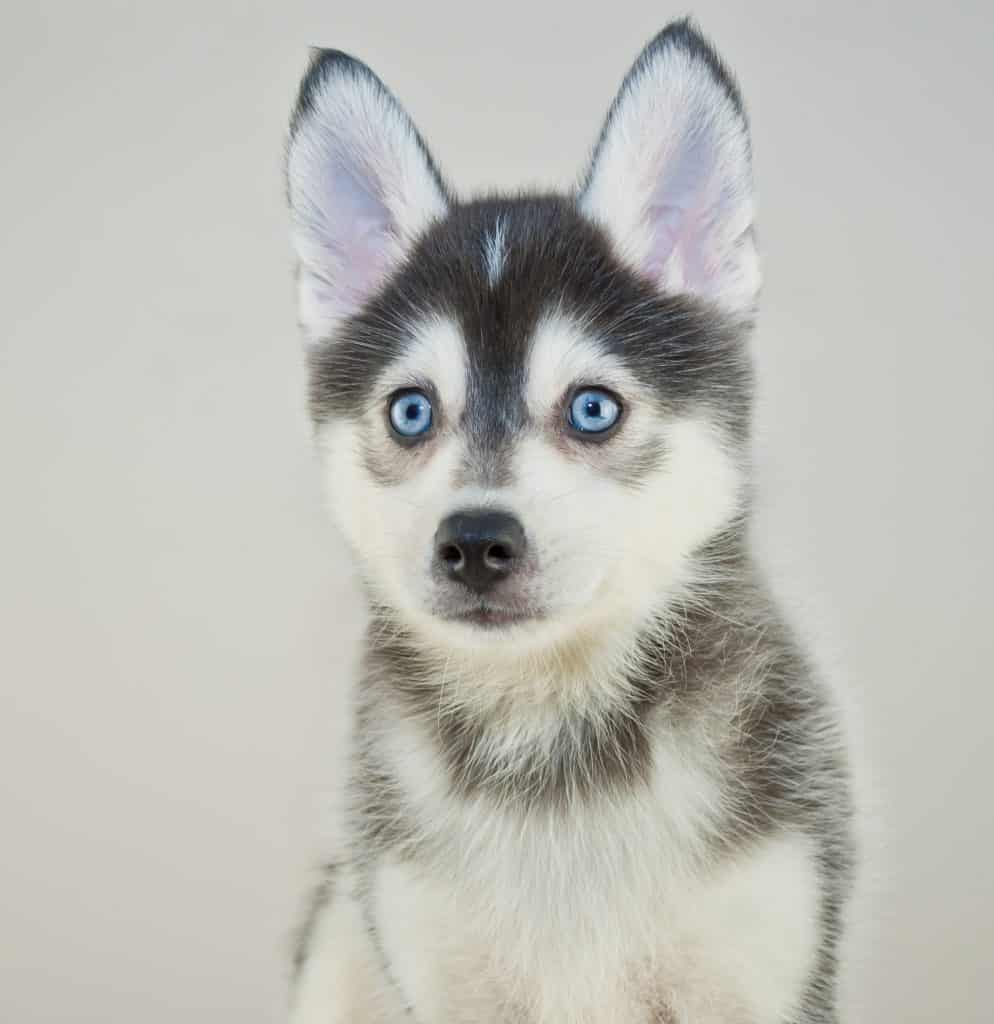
550,918
436,352
564,353
494,252
345,980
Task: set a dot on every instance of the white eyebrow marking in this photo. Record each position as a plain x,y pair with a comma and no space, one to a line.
436,351
563,353
494,252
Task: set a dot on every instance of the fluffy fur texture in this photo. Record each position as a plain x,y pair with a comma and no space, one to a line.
611,788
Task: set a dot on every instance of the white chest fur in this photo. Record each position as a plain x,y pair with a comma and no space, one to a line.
612,912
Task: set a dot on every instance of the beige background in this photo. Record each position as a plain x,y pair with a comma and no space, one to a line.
176,615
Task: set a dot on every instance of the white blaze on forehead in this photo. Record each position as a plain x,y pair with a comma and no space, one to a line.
436,355
494,252
564,353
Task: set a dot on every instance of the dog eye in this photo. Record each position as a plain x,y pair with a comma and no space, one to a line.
410,413
593,411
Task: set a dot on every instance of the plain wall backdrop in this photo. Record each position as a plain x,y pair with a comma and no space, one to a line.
178,619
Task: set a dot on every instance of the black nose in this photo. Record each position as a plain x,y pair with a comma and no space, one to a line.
479,548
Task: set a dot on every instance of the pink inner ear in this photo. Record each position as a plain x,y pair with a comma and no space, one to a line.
667,223
680,218
350,226
681,250
365,263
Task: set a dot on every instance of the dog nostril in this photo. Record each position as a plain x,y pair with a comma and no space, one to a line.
450,555
498,555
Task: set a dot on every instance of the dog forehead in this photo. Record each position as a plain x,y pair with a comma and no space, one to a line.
517,273
517,278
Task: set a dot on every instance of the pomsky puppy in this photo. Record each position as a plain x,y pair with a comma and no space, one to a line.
594,777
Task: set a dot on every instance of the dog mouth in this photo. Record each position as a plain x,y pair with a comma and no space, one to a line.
487,616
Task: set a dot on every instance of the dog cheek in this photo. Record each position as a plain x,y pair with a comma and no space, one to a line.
344,479
359,505
575,546
693,494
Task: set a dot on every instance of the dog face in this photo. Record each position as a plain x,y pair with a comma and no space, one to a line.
532,411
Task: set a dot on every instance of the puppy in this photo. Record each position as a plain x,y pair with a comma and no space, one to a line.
594,776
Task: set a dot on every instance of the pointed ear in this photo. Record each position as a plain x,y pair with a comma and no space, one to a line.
362,187
671,176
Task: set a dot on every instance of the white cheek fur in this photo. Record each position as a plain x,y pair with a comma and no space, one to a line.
609,550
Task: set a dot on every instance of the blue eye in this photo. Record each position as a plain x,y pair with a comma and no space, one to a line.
593,411
410,413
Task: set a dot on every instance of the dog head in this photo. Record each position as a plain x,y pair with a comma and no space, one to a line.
533,411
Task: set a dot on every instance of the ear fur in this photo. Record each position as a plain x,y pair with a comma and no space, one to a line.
361,186
671,175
